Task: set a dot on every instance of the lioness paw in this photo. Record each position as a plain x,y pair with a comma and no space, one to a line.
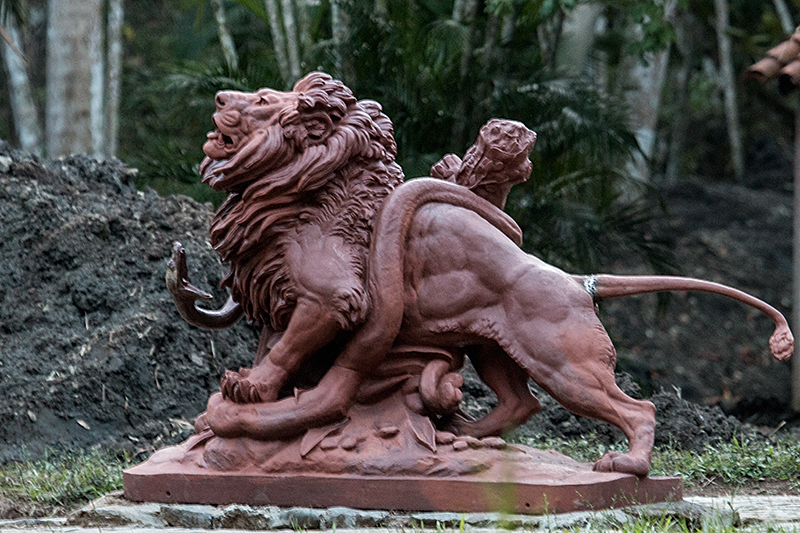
624,463
351,306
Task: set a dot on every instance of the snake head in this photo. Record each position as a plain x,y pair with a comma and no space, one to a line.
177,277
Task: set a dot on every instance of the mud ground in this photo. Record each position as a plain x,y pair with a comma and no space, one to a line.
92,351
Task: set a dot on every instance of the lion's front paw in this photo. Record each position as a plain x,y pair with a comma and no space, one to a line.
351,305
222,416
241,387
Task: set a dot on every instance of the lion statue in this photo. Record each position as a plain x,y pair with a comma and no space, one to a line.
329,249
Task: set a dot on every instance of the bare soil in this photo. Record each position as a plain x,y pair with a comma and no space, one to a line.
708,349
93,353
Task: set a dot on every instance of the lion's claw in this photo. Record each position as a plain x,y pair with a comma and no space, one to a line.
236,387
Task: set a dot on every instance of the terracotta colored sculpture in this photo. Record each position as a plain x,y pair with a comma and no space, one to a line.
371,291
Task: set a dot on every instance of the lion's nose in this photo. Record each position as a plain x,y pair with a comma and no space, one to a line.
222,98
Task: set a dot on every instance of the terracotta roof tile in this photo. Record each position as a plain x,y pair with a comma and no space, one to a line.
782,62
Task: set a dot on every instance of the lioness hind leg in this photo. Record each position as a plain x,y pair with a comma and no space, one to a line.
578,371
515,402
589,390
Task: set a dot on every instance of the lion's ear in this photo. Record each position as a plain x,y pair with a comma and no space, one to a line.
318,126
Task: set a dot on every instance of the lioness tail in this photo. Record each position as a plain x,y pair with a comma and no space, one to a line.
604,287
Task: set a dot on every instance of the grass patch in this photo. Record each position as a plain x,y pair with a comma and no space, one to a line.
734,463
59,481
674,524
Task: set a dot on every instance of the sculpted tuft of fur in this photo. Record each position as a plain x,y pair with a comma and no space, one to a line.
292,178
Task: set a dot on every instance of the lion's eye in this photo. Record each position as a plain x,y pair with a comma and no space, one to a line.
262,101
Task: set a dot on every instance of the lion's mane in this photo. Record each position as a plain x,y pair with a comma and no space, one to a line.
337,184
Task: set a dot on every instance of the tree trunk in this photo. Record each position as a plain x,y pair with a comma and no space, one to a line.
278,40
74,110
729,87
224,34
340,28
464,13
381,10
576,38
114,74
796,260
97,87
292,47
784,16
304,7
685,45
549,37
645,100
23,107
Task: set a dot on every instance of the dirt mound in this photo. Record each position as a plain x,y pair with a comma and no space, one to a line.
93,352
91,347
710,349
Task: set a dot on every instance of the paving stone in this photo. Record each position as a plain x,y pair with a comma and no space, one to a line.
115,514
300,518
755,508
191,516
614,517
246,517
32,523
693,512
145,514
345,517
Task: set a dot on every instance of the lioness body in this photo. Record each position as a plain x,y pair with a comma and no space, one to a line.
483,290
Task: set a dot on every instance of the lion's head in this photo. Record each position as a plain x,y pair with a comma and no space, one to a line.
292,140
288,158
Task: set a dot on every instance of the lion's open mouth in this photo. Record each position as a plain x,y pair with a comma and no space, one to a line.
222,143
227,140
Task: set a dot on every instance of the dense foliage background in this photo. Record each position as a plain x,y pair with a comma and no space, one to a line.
622,93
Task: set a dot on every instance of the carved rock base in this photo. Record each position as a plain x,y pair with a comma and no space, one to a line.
385,456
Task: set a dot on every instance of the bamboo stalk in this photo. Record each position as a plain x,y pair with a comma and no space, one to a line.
729,87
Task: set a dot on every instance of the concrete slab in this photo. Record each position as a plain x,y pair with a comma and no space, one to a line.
770,509
114,514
